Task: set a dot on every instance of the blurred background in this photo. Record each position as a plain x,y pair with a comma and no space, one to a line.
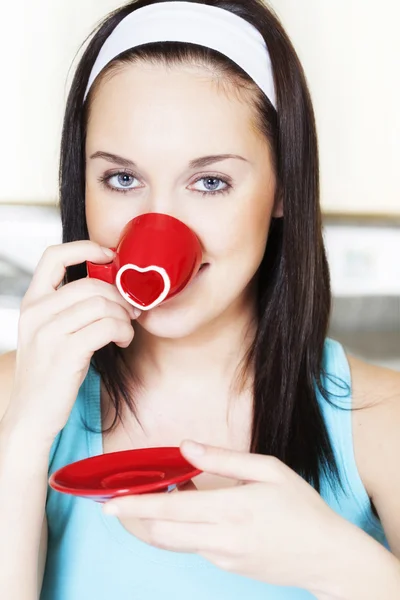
349,49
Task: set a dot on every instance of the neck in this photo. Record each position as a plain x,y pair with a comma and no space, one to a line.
209,357
194,386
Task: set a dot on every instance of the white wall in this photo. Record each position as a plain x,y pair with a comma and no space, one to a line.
37,48
350,50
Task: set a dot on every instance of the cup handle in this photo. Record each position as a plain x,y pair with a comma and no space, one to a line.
107,272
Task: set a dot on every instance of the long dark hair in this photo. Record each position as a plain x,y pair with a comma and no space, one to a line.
294,298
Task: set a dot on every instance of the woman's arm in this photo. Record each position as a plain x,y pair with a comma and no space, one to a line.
23,485
376,432
363,570
366,569
60,328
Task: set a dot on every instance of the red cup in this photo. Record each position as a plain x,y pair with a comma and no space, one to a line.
156,258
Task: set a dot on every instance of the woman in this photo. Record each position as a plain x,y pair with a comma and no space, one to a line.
186,109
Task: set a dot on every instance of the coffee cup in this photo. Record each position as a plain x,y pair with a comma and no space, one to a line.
157,256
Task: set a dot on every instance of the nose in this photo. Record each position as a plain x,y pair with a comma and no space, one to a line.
160,201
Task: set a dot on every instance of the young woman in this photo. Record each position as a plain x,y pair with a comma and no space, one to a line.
201,111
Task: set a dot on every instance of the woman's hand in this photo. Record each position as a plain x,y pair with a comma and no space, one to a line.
273,526
59,330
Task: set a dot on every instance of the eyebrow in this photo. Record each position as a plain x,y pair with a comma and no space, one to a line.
197,163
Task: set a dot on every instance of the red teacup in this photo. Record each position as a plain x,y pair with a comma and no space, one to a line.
156,258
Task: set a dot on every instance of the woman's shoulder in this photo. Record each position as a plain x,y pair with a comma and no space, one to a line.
375,386
376,432
376,400
7,370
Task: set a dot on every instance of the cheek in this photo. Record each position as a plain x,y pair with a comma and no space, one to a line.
241,235
105,220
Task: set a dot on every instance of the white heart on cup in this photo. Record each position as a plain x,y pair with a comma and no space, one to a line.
159,270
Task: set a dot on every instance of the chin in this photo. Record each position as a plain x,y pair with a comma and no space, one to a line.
193,312
171,324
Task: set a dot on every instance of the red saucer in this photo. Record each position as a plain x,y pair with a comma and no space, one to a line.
124,473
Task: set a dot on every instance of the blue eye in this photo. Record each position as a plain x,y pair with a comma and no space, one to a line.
212,185
122,181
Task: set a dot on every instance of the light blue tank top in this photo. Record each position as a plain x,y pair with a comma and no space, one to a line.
92,557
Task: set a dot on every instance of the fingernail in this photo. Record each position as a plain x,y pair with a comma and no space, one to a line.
110,509
108,252
134,312
193,448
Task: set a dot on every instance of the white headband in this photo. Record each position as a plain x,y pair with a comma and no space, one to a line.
201,24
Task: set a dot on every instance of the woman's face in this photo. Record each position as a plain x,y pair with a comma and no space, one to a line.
147,125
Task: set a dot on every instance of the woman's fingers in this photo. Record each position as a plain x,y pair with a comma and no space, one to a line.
101,333
52,266
195,506
241,466
182,537
86,289
58,332
89,311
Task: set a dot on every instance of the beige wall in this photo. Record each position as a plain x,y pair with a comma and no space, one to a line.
351,53
350,50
